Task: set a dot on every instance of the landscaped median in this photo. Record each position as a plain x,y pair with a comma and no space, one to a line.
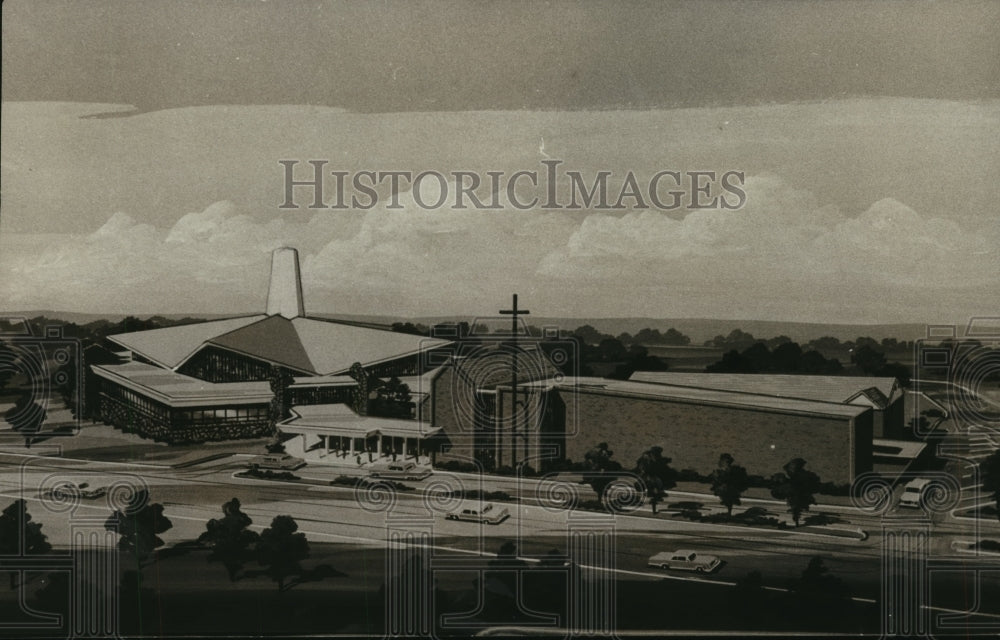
983,547
495,489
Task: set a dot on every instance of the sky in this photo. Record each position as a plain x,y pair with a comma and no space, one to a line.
141,143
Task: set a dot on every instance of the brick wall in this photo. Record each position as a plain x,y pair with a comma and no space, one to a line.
694,435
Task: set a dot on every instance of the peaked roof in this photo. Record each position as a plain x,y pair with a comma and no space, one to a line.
273,339
308,345
840,389
170,346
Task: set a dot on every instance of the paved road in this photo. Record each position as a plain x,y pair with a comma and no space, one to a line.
193,495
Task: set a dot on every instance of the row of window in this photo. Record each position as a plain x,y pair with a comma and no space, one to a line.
136,401
218,365
140,403
242,414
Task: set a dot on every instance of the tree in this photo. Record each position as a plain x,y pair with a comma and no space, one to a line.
600,469
139,526
729,481
359,396
612,350
795,486
989,469
281,550
230,538
393,400
868,359
26,417
819,596
18,534
637,359
826,343
279,379
656,473
747,599
589,335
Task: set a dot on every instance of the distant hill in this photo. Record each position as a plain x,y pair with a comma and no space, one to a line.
701,329
698,329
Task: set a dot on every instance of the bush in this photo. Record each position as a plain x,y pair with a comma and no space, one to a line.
832,489
691,475
476,494
355,481
458,466
268,474
989,545
592,505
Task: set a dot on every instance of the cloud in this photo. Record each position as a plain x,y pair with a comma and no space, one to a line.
789,254
153,219
784,255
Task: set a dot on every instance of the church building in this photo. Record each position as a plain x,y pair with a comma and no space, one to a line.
218,380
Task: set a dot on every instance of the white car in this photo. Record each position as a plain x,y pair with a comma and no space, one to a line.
913,493
399,471
685,560
472,511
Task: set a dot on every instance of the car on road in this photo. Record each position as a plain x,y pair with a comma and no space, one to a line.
913,493
685,560
83,490
473,511
399,471
283,461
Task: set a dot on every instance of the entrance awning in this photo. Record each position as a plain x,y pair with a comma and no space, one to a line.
340,420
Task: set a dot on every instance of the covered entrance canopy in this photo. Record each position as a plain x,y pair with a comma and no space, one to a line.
335,427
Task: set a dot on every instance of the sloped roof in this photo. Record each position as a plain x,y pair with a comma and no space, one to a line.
698,395
273,339
170,346
823,388
309,345
333,346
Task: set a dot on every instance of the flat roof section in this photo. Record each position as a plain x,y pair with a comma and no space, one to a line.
176,390
340,420
299,382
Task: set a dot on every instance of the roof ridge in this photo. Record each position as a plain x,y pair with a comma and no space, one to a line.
273,319
742,393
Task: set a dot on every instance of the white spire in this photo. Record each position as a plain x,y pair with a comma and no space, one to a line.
284,295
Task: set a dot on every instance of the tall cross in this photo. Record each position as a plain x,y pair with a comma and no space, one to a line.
514,312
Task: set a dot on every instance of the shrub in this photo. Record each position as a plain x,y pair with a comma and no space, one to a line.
989,545
268,474
691,475
833,489
355,481
458,466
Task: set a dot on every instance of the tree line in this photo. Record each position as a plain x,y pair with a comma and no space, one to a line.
795,484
